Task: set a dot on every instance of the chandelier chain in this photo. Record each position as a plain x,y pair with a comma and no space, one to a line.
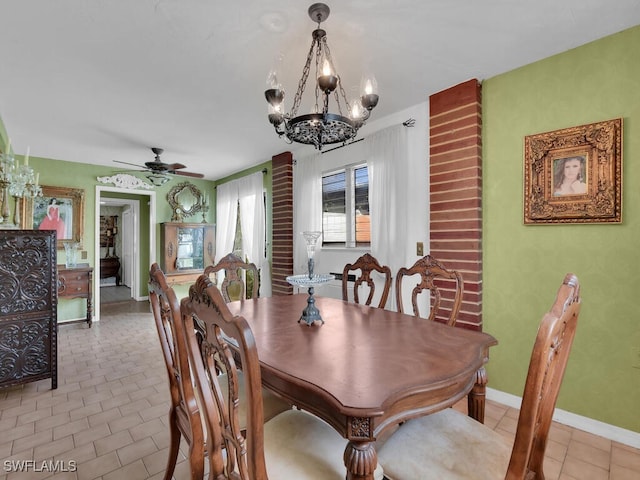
303,81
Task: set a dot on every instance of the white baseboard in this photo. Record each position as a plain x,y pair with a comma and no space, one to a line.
586,424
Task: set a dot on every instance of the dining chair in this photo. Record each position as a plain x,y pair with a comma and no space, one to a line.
450,445
293,444
185,418
434,277
184,413
366,264
236,272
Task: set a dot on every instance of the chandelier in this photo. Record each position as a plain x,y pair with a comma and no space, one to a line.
320,127
18,181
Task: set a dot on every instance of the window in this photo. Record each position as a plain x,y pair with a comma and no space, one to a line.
345,207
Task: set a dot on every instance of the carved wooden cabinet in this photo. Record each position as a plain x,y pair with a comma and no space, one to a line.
77,282
28,307
186,249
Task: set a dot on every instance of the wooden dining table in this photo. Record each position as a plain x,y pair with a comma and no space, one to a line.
365,369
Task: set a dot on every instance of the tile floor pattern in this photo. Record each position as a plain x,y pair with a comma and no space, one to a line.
109,413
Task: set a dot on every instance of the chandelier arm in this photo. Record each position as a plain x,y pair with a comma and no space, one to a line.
303,81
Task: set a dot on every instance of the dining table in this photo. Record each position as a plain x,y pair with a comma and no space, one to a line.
365,369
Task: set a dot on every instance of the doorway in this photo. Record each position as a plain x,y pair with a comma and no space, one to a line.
118,228
137,221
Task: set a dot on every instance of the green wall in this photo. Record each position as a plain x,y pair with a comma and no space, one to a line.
524,265
81,175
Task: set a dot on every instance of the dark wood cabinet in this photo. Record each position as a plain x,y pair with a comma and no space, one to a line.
110,267
186,249
77,282
28,307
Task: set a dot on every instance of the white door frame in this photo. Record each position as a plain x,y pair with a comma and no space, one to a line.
129,247
136,265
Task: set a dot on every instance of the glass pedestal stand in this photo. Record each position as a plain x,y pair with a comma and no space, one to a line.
311,314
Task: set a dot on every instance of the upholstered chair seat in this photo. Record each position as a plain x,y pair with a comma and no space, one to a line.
438,442
301,446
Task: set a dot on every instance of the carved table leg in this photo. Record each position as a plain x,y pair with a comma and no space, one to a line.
476,397
361,460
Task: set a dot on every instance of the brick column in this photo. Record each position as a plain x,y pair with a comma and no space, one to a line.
282,246
455,135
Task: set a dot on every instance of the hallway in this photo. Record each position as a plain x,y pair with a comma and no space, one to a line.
114,294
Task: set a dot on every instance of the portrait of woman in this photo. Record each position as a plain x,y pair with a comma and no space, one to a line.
569,176
52,220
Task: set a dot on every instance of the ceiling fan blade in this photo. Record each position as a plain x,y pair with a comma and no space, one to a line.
127,163
189,174
175,166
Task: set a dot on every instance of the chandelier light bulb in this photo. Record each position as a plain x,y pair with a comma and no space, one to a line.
369,88
327,81
326,68
272,80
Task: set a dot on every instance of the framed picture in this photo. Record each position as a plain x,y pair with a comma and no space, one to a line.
60,209
574,175
108,229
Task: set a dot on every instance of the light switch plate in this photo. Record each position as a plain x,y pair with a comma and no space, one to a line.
420,249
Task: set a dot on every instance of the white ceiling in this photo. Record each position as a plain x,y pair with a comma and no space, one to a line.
95,81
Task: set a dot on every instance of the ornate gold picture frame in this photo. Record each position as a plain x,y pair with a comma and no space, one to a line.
574,175
60,209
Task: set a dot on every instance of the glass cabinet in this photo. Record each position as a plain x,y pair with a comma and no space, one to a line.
187,249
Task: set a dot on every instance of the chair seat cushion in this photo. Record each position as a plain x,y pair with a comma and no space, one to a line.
301,446
447,445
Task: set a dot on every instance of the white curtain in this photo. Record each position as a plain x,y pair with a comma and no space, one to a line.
226,218
387,161
252,224
307,206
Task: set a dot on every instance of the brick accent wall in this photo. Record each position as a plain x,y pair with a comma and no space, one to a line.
455,180
282,246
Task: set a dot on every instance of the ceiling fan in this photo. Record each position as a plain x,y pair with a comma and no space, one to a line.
157,167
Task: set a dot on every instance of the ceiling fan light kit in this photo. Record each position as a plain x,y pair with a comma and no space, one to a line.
320,127
157,179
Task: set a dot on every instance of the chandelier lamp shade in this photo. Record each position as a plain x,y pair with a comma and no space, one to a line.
320,127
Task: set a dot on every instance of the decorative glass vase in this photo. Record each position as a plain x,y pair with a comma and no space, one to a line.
71,251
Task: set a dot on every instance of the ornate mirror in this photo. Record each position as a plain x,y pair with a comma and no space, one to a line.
185,200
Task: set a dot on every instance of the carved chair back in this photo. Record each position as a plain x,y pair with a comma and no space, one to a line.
184,414
472,450
224,337
546,370
366,264
236,271
434,278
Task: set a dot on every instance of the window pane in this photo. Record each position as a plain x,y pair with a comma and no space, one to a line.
361,214
334,226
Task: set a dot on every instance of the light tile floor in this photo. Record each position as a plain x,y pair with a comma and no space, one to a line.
108,416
